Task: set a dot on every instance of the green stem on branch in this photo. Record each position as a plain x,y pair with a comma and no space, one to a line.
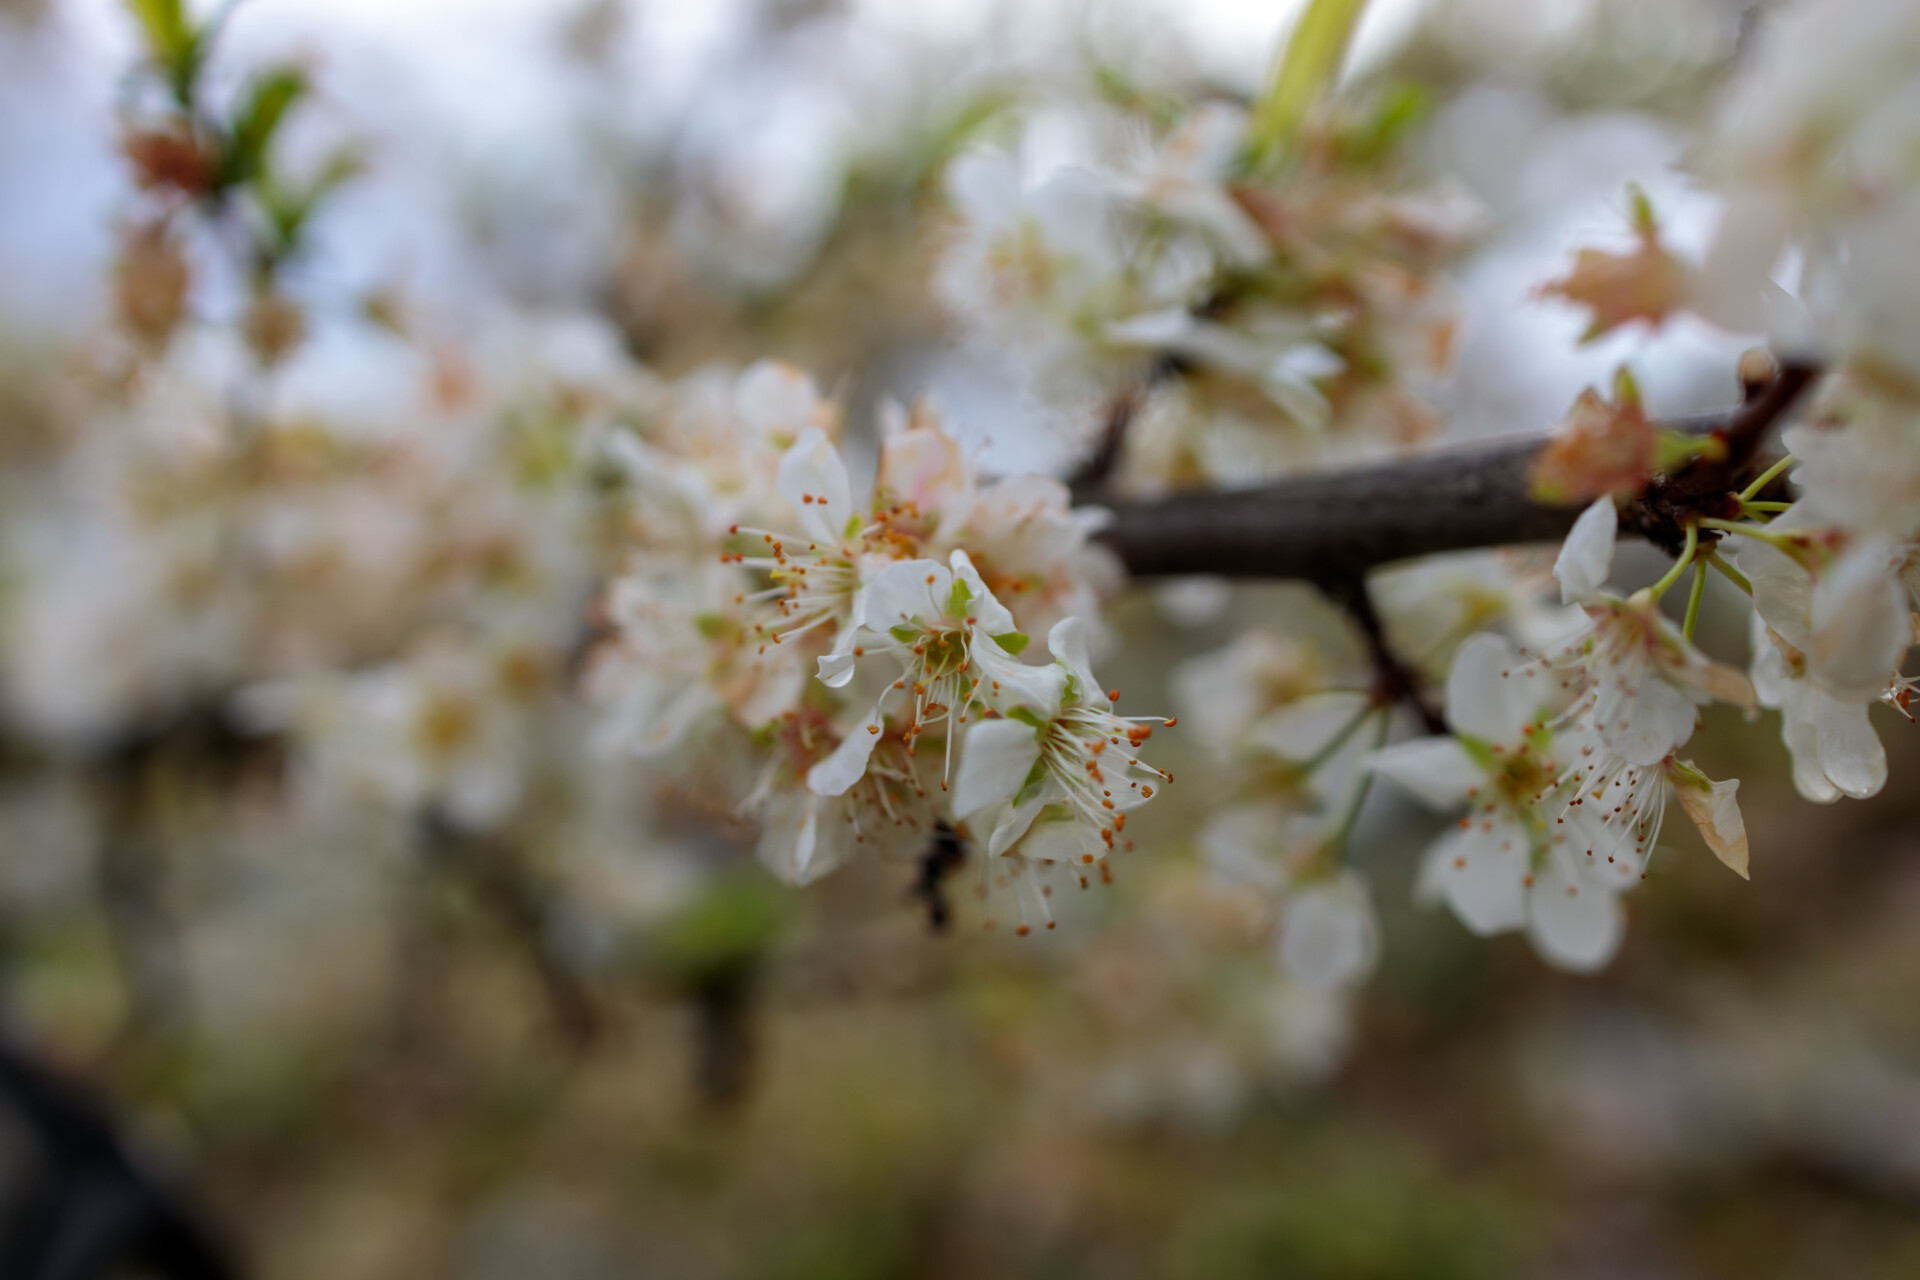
1308,64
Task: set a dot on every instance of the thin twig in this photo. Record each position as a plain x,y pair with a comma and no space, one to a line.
1089,482
1394,682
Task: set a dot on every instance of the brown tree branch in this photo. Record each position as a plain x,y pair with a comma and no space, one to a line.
1334,527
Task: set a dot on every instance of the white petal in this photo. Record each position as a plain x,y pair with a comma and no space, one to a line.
814,481
1587,555
1861,625
1480,873
1014,822
1782,589
654,716
1242,845
1011,683
986,186
1643,719
1437,770
1849,751
1770,672
835,667
998,757
1156,330
989,615
1715,810
907,590
776,399
1301,729
1328,936
848,763
801,837
1802,736
1573,926
1067,642
1491,694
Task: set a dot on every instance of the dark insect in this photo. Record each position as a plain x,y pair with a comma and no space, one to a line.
944,855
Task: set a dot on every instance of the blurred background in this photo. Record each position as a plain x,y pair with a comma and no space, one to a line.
344,1037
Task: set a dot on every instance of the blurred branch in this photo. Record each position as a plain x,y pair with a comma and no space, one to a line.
96,1212
492,871
1090,480
1334,527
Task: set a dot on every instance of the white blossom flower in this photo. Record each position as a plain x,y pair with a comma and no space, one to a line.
1057,762
1847,618
942,626
1645,680
678,652
803,834
1515,862
1856,466
815,576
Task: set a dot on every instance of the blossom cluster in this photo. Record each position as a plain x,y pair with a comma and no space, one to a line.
491,577
877,649
1249,319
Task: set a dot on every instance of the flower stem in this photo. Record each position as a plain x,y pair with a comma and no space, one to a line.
1733,575
1766,478
1352,815
1309,64
1786,542
1698,590
1306,767
1672,575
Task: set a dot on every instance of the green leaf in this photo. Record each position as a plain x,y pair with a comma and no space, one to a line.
1309,63
1399,110
171,39
287,209
255,121
164,22
1014,642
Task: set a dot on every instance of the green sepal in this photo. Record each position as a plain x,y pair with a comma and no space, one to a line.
959,598
1683,773
1035,776
1014,642
1674,449
1028,716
